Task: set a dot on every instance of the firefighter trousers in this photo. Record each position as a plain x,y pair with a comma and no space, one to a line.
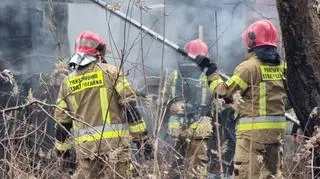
263,161
111,167
190,159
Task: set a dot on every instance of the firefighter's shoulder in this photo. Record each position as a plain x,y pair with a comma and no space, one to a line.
109,69
249,64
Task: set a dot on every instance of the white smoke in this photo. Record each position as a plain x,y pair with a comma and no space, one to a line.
181,25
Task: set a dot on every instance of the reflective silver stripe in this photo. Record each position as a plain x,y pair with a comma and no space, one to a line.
192,79
246,120
92,130
87,43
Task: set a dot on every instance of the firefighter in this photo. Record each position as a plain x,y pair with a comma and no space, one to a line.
261,120
188,123
97,104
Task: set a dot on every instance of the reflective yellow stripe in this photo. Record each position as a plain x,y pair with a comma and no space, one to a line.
75,126
61,103
214,84
62,146
261,125
175,75
73,103
105,135
272,73
263,99
173,124
203,79
104,103
236,79
196,126
138,127
85,81
122,85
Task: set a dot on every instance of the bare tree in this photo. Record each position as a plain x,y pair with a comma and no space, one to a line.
300,25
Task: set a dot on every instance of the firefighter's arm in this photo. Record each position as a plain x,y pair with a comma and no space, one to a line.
137,125
63,122
239,81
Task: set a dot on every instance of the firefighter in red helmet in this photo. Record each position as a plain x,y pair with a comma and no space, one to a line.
188,123
261,121
97,108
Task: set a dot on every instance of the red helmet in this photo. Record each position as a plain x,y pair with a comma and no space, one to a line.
261,32
92,44
196,47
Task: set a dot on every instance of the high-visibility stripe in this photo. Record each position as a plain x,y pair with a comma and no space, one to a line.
261,125
62,146
73,103
122,85
236,79
173,124
138,127
197,126
259,119
61,103
175,75
99,135
263,99
107,127
104,103
203,79
214,84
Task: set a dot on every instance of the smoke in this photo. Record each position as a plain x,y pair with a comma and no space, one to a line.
33,34
181,21
29,40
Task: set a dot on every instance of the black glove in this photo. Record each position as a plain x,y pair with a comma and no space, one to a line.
204,62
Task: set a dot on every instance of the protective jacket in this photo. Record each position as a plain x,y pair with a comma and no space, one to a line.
262,88
96,99
189,84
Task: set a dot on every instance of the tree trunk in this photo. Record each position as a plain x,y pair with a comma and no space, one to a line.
300,25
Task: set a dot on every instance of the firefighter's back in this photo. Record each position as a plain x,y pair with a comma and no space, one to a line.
97,107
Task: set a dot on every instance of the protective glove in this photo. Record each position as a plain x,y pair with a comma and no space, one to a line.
204,63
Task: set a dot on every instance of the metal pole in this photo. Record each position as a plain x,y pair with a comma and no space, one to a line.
139,25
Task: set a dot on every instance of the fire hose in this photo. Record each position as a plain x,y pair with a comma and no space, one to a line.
160,38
